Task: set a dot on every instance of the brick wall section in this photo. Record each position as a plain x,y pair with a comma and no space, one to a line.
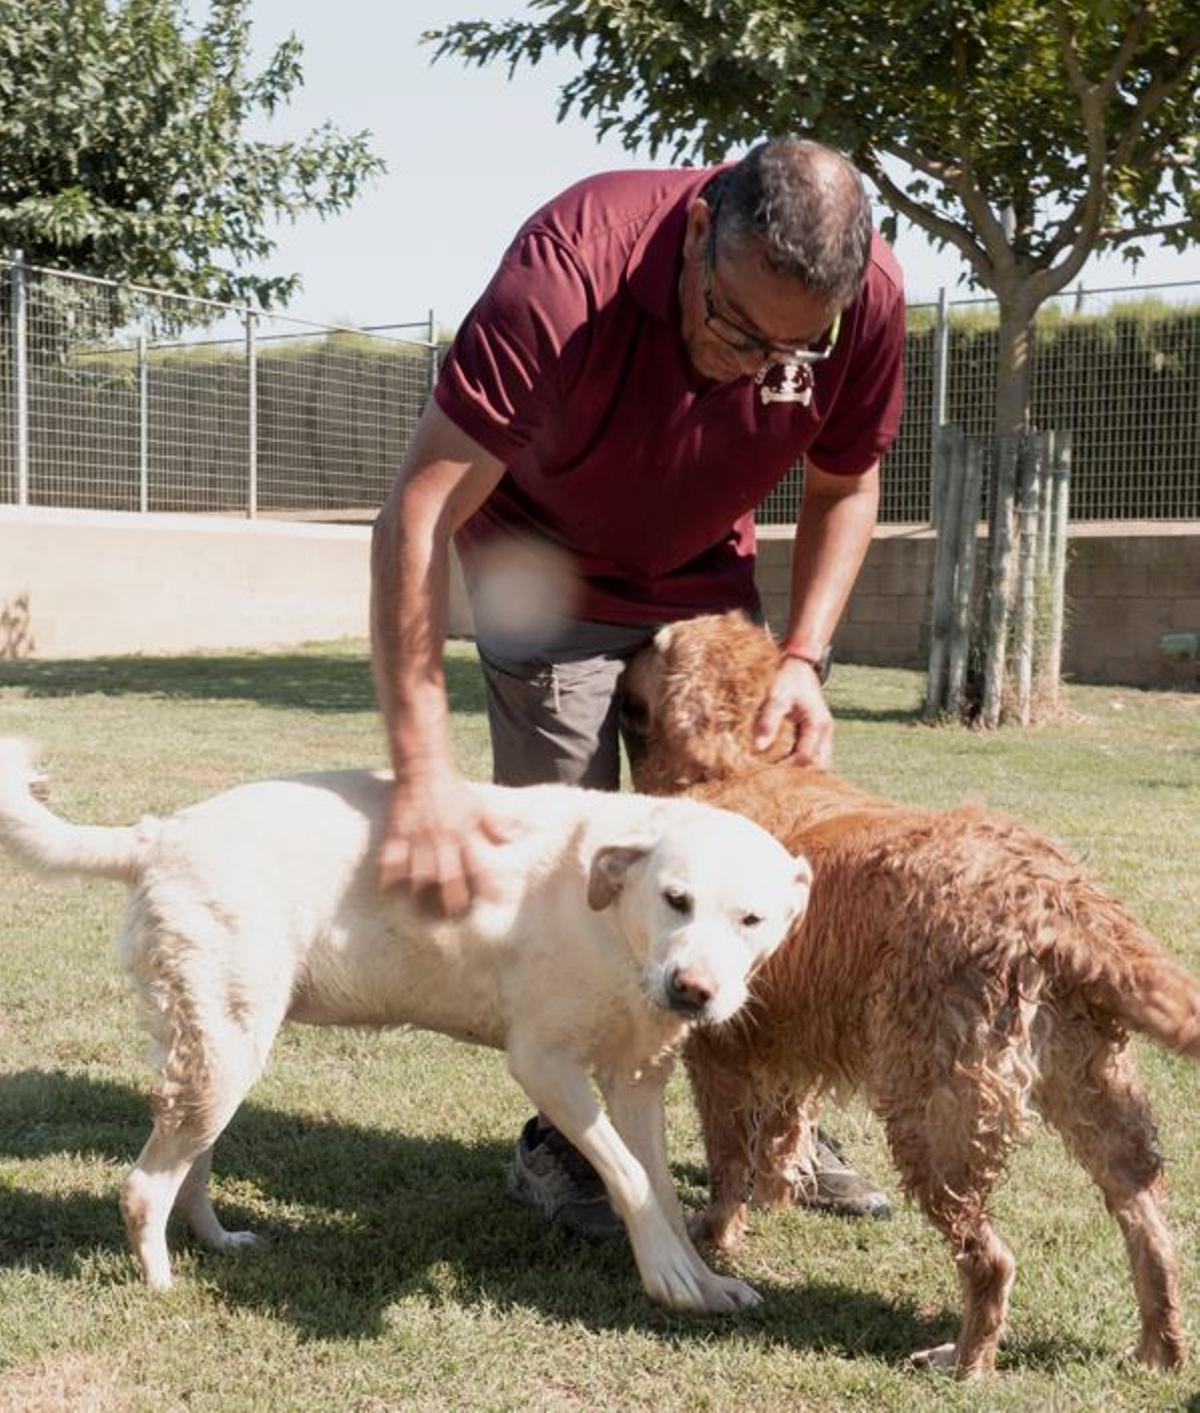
1128,583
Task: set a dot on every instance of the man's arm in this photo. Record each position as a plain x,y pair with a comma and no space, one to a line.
436,831
833,532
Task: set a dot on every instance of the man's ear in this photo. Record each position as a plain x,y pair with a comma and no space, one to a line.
699,220
610,864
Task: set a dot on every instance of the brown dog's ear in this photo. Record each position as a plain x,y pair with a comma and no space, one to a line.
610,864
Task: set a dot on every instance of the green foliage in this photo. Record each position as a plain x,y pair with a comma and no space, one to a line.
123,131
1034,104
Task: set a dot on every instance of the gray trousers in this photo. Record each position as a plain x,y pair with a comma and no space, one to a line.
553,711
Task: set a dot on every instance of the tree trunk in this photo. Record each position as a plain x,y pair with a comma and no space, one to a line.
1013,343
1012,416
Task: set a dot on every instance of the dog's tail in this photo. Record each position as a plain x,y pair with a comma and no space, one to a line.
1121,970
42,840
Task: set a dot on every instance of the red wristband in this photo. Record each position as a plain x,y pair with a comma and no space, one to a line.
804,655
817,658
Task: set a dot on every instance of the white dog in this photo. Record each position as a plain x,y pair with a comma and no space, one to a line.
619,922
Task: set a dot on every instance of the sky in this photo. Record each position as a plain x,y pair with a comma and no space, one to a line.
470,155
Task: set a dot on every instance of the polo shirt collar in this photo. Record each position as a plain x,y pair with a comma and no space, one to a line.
652,270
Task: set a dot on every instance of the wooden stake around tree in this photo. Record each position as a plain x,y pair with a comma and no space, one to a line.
964,583
1060,483
1028,478
948,464
1000,581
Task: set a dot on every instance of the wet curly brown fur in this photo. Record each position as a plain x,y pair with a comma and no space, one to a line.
956,968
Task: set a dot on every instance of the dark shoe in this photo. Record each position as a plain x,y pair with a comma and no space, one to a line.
834,1187
554,1179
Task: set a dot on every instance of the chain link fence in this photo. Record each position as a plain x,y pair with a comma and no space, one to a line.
110,398
1118,368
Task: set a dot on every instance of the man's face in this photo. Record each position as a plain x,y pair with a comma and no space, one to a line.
730,296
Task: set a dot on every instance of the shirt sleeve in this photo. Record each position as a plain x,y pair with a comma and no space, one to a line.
866,416
520,349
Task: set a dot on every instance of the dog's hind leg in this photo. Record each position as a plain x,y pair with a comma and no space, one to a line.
148,1195
195,1204
1090,1092
949,1146
209,1066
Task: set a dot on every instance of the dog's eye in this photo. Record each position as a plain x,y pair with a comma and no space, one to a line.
678,902
750,919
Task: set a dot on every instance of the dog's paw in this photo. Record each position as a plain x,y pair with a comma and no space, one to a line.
722,1232
743,1296
1156,1354
686,1285
941,1358
232,1242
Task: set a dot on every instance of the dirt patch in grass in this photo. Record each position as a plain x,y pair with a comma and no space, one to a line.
69,1384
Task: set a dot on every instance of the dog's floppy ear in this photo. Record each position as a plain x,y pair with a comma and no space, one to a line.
803,883
610,864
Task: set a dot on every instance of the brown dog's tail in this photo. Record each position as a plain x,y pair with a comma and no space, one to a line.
51,845
1119,968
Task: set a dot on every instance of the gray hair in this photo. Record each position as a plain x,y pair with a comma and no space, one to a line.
804,205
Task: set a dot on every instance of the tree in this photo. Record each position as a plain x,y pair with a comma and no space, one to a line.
124,132
1033,131
1024,133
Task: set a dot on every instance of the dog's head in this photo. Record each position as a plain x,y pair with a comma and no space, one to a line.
690,699
702,901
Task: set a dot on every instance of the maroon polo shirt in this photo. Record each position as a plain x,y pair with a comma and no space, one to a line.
571,369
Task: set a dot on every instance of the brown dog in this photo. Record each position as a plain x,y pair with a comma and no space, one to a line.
955,967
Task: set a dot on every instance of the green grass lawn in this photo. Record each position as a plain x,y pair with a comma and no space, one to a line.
396,1273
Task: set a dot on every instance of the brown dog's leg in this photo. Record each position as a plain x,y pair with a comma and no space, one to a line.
1090,1093
725,1101
784,1143
950,1149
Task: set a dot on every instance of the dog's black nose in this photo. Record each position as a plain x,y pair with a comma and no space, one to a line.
689,990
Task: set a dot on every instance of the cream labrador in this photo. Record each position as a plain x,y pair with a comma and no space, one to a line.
618,923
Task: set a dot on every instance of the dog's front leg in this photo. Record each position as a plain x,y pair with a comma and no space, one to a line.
638,1113
671,1272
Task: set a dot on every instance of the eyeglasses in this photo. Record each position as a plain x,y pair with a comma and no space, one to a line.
747,340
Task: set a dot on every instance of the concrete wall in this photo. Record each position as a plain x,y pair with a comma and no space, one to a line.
1128,583
83,583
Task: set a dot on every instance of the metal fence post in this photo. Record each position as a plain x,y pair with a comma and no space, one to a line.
20,295
252,410
940,363
143,426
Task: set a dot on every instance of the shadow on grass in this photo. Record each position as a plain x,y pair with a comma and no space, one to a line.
897,715
364,1219
323,682
316,681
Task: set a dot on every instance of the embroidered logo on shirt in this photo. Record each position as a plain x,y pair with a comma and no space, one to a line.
784,382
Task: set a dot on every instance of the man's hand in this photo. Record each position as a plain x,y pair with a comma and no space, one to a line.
796,696
435,844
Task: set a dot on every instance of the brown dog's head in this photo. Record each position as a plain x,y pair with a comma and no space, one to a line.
690,699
